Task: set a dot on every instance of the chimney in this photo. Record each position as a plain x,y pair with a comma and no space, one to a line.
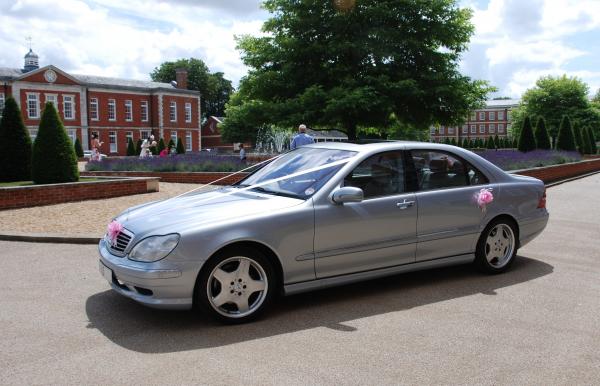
181,77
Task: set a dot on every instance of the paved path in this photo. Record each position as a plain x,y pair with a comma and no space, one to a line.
537,324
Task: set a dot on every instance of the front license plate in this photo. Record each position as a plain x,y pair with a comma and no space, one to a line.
106,272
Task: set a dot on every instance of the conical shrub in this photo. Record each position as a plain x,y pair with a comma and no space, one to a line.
565,139
526,140
593,145
54,158
161,145
578,138
180,146
15,145
138,146
78,148
541,135
130,147
585,138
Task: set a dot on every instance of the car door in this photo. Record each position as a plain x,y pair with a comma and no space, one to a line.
378,232
449,218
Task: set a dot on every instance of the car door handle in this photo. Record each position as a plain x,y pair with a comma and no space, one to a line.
405,204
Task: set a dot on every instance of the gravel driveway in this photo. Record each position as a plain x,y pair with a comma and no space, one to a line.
80,218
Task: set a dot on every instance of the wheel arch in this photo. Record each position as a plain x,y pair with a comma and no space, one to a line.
510,218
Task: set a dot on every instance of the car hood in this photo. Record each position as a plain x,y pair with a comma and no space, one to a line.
195,209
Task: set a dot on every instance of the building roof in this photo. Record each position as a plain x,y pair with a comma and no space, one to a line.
502,103
326,134
8,74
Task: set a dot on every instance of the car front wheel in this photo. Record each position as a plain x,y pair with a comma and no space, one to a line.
497,246
236,287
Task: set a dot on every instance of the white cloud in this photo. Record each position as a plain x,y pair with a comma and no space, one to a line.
524,40
126,39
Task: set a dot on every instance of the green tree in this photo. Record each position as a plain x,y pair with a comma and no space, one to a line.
542,138
554,97
565,139
354,69
180,146
54,158
138,146
215,89
15,145
171,144
578,138
587,146
161,145
592,139
78,148
131,148
497,142
489,143
453,141
526,139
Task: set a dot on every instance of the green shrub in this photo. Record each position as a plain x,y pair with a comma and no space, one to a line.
78,148
180,146
130,148
578,138
489,143
15,145
138,146
453,141
170,144
565,139
542,138
497,142
585,138
54,158
161,145
592,139
526,140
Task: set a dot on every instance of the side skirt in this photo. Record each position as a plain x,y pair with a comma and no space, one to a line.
306,286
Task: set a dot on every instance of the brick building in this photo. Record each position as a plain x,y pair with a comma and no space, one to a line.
494,119
115,109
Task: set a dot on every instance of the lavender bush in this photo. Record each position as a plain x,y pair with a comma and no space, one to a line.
515,160
201,162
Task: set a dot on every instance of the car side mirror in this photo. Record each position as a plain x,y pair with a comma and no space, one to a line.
347,194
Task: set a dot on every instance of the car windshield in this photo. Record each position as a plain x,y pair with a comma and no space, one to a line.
306,167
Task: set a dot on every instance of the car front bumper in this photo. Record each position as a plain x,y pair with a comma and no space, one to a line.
162,284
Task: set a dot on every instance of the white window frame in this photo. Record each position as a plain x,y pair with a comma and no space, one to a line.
94,116
174,139
129,110
500,127
69,100
112,110
53,98
473,129
188,112
32,134
112,140
36,108
173,111
465,129
492,115
442,130
144,111
2,101
432,130
473,116
482,115
72,133
144,134
451,130
128,134
500,115
492,128
481,129
508,115
188,141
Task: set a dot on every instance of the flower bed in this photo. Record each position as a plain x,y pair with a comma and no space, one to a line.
516,160
202,162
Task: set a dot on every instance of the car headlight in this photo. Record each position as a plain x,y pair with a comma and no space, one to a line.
154,248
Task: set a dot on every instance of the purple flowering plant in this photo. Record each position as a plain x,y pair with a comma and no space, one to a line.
199,162
515,160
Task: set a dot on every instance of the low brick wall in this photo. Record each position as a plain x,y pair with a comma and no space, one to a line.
179,177
554,173
36,195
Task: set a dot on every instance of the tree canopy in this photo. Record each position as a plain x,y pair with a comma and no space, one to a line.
554,97
214,88
354,67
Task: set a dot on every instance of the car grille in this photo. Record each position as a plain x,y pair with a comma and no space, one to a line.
123,239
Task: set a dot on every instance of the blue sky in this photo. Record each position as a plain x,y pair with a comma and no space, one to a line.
516,41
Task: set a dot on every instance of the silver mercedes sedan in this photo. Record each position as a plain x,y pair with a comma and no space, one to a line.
319,216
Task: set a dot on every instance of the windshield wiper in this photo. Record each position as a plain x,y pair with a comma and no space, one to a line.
276,193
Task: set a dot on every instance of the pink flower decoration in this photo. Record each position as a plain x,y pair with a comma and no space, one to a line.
113,230
484,197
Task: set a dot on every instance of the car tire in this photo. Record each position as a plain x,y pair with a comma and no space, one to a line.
236,286
497,246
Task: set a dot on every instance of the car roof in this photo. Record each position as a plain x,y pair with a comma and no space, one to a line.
381,146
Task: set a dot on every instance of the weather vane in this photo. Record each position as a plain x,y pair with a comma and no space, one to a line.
29,40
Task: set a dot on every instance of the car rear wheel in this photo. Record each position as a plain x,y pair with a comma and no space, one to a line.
497,246
237,286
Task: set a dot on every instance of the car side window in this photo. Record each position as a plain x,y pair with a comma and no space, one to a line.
439,170
379,175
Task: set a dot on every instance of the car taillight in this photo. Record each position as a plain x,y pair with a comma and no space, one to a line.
542,203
